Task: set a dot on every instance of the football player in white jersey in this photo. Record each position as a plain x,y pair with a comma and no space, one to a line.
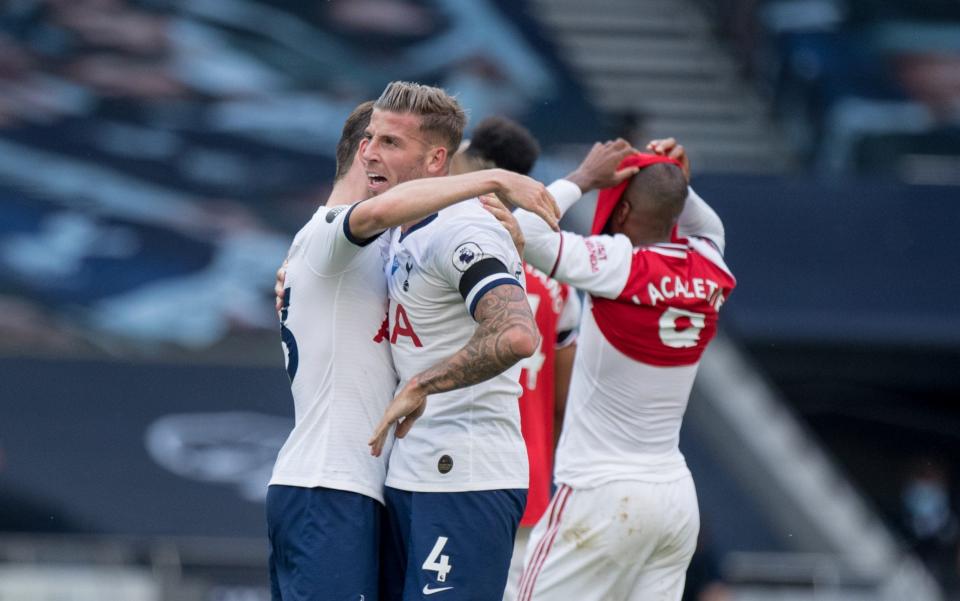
623,523
456,483
459,319
323,502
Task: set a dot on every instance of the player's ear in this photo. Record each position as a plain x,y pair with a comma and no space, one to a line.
437,160
620,213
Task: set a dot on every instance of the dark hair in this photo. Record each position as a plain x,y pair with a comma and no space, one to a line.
441,117
658,193
353,131
505,143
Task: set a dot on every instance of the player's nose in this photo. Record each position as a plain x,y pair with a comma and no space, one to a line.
367,150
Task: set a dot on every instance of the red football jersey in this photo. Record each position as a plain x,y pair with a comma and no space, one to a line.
653,311
667,312
556,309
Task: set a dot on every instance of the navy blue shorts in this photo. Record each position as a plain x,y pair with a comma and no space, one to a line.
324,544
455,545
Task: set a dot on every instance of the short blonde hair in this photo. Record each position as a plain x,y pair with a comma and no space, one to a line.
441,117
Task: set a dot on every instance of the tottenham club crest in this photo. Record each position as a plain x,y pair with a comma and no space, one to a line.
466,255
406,281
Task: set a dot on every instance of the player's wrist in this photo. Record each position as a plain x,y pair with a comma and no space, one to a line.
499,180
581,180
565,193
416,386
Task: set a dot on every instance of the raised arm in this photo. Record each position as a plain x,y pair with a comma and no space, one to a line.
595,264
598,170
701,221
416,199
506,333
601,264
697,218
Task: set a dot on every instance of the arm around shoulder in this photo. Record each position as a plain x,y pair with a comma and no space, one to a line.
417,199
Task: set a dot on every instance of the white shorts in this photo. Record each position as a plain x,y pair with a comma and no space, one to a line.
626,540
516,563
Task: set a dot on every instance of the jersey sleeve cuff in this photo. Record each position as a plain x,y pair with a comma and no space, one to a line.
566,193
349,235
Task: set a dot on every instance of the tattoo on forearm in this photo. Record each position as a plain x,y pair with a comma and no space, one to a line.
501,314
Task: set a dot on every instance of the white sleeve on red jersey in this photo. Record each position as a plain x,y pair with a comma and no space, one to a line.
699,220
568,321
595,264
598,265
601,265
331,246
542,243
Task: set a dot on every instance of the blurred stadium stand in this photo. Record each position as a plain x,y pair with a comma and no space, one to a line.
156,157
864,86
655,67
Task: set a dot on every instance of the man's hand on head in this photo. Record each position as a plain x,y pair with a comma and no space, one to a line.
668,147
599,167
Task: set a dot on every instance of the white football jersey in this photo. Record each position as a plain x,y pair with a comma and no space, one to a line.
467,439
341,371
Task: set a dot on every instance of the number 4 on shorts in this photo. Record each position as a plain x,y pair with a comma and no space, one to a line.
441,567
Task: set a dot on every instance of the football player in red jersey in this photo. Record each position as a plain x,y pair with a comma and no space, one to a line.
501,142
623,523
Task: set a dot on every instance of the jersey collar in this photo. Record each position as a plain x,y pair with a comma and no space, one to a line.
422,223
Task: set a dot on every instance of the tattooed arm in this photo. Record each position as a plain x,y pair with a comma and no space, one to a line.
506,333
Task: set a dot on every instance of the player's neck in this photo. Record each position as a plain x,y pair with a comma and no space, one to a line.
643,235
349,189
648,240
409,224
